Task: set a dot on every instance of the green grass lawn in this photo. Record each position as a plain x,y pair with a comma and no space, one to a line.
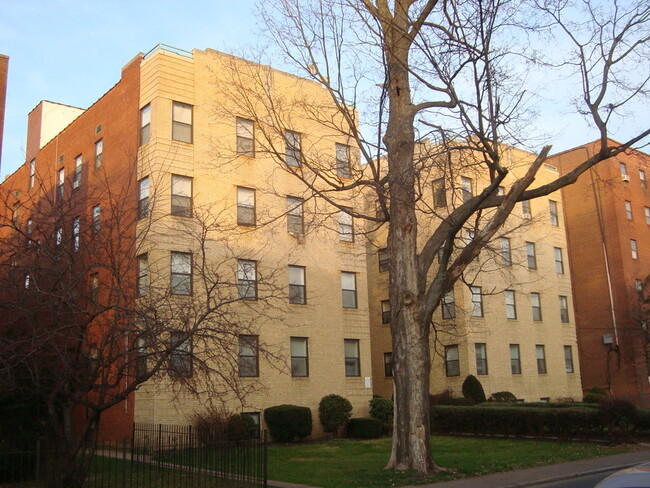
359,464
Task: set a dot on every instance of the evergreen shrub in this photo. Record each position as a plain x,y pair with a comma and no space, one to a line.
365,428
334,412
288,422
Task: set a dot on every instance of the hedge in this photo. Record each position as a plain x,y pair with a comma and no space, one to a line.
568,422
365,428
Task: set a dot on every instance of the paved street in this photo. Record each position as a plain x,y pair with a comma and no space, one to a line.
584,482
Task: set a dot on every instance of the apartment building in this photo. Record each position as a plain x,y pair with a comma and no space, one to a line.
214,220
607,215
509,321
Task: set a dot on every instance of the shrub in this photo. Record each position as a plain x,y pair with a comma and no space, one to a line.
288,422
382,409
240,427
210,426
334,412
365,428
473,389
446,397
503,397
619,417
594,395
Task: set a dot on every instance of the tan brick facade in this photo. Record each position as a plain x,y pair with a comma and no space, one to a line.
493,331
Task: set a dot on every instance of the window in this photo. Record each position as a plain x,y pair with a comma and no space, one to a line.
295,221
564,309
531,258
75,233
292,148
78,161
452,364
27,281
439,193
143,199
299,357
141,358
628,210
352,363
349,289
642,178
342,160
501,191
15,214
568,359
511,306
633,249
94,287
466,186
536,304
638,284
29,229
449,305
297,290
143,275
646,210
97,217
481,358
388,364
245,137
477,301
181,196
255,416
384,261
59,184
181,122
623,169
385,311
59,236
506,255
247,279
180,359
248,357
525,209
559,261
515,361
181,273
99,153
145,124
552,206
541,359
245,206
32,173
346,228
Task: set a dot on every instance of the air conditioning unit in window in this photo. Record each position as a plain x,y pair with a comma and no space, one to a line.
625,177
527,216
299,237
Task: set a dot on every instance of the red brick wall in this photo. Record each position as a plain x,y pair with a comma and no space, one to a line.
595,216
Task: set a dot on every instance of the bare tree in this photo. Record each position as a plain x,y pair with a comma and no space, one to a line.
434,89
85,321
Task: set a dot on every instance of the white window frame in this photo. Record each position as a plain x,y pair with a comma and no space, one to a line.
634,249
295,216
559,260
466,185
181,196
346,225
299,348
292,148
352,358
143,198
78,162
145,124
143,275
480,350
32,173
246,211
568,359
477,301
248,357
511,304
449,305
297,285
515,359
531,255
96,219
452,361
99,153
536,306
343,168
349,289
540,356
245,137
182,122
564,308
553,213
506,252
247,279
181,279
628,209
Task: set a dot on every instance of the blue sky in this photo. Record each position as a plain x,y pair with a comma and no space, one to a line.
71,52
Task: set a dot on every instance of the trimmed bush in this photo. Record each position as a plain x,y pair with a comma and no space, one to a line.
594,395
446,397
334,412
288,422
473,389
619,417
503,397
514,421
240,427
382,409
365,428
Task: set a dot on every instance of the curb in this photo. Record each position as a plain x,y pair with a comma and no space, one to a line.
555,479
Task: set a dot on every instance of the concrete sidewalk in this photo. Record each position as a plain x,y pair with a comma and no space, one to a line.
532,476
550,473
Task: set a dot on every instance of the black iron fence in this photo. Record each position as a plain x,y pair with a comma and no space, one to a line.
157,456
